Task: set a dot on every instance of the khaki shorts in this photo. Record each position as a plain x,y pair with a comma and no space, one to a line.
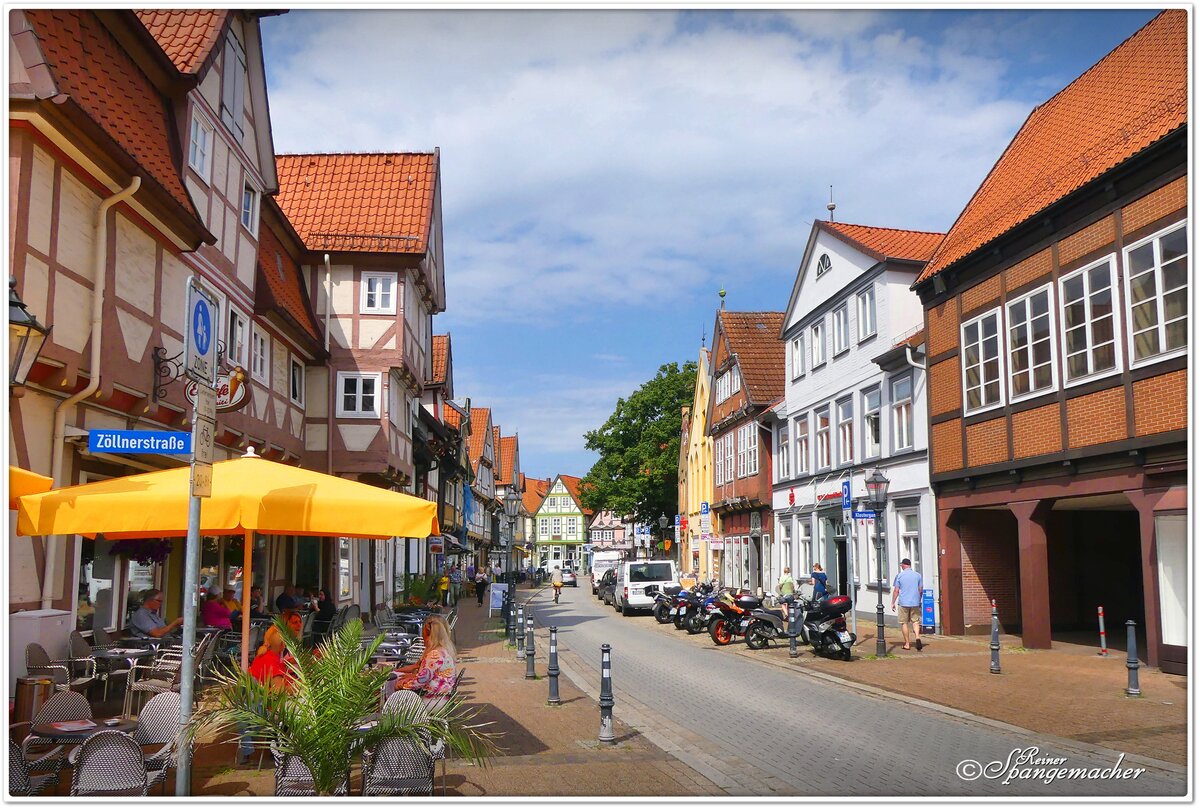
909,615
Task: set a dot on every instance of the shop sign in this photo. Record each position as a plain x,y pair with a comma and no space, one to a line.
232,392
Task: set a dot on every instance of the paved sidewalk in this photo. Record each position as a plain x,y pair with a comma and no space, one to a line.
1069,691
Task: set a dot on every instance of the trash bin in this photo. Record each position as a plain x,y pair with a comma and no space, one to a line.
32,693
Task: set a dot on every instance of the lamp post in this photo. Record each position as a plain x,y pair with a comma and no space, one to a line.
25,339
512,508
877,492
662,529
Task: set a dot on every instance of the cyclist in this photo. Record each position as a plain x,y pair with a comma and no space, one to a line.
556,579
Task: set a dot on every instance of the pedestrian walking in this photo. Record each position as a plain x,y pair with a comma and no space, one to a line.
471,572
481,583
819,581
443,586
907,591
787,586
456,578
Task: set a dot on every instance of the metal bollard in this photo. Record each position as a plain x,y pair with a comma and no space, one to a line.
995,667
1131,660
552,669
1103,638
510,619
529,653
606,696
793,608
521,635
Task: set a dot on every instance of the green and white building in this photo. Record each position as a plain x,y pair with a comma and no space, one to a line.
561,523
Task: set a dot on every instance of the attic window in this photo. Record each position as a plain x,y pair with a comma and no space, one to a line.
823,264
279,266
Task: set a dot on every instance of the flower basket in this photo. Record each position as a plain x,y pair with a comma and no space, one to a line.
142,551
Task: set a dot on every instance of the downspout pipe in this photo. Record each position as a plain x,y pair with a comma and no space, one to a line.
332,380
100,278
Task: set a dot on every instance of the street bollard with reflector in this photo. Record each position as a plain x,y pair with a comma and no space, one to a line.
995,667
552,669
529,653
1103,638
793,609
1131,659
606,696
521,634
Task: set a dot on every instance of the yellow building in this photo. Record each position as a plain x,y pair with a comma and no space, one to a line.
695,478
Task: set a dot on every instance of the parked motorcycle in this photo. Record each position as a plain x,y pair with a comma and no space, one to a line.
664,602
733,616
822,625
688,605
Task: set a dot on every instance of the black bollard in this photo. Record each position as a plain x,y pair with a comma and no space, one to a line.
521,635
995,667
510,618
793,608
552,669
606,696
529,654
1131,659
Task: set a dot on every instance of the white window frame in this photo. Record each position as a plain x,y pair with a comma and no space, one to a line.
729,457
817,343
804,544
823,439
358,413
866,313
1010,324
870,411
1001,383
909,544
293,365
201,125
841,330
801,441
719,464
824,264
902,413
751,449
735,380
259,338
235,351
798,356
364,292
783,451
741,452
249,216
1110,261
1134,362
845,431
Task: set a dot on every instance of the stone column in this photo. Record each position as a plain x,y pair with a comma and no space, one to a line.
950,571
1035,573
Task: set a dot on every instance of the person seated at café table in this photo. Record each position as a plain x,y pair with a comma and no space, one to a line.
288,599
256,611
432,675
147,623
270,667
325,606
231,603
213,612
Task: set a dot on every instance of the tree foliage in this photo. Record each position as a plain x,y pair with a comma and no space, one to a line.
638,469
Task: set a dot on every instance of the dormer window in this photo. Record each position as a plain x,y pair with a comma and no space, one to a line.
823,264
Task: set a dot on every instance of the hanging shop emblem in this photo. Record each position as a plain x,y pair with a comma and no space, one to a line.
232,391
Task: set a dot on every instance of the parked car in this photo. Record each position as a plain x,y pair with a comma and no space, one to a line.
634,577
569,577
606,586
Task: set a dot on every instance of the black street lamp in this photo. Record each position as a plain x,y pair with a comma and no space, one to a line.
512,509
25,338
662,530
877,493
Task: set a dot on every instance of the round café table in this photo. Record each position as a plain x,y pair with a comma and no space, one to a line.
121,653
49,731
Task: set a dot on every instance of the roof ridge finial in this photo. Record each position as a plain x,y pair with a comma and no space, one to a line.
721,292
832,205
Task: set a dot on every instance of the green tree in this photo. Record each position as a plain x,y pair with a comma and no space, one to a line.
638,469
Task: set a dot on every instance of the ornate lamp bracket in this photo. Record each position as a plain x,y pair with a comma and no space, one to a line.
169,368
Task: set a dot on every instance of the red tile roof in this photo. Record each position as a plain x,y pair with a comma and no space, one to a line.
187,36
281,286
441,358
1127,101
754,338
885,243
450,416
373,203
89,66
506,453
573,484
481,418
533,492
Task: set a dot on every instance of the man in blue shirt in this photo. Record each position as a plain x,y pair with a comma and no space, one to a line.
907,590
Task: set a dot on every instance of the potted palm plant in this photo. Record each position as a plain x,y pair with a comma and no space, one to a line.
320,718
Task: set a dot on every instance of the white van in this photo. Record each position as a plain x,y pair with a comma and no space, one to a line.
602,561
634,577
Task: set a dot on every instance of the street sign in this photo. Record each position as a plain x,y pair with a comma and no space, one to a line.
201,479
704,507
200,334
716,544
140,442
676,520
864,515
927,616
845,495
204,398
204,433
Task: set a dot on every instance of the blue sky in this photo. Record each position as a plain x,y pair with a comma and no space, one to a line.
606,172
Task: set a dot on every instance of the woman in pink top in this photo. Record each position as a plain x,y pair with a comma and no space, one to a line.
433,674
214,613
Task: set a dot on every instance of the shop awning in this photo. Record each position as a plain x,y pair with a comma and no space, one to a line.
22,482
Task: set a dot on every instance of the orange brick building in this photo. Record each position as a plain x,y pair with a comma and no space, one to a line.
1056,315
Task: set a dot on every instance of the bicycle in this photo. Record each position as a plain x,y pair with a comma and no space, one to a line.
557,590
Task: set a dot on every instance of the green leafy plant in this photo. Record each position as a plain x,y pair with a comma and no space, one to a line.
421,589
319,718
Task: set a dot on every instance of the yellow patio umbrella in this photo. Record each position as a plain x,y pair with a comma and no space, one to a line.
22,482
250,495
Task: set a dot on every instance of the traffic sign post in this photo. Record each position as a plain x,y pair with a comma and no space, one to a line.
852,545
200,363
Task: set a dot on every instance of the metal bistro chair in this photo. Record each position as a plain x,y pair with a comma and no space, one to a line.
158,724
64,706
21,778
37,661
101,639
293,779
437,750
398,766
156,678
109,764
82,650
306,628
